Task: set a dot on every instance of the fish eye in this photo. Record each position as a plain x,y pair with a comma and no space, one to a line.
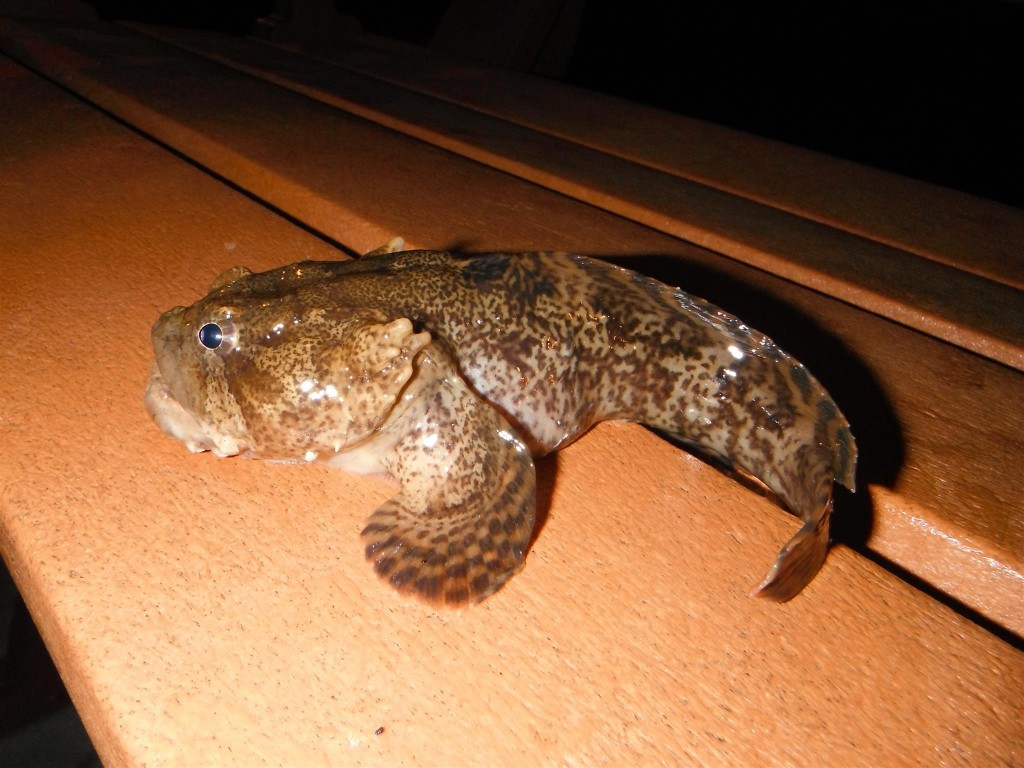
211,335
218,334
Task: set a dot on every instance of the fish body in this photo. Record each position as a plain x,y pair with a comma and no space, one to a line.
450,373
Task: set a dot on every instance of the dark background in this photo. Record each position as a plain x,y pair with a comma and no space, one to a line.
931,90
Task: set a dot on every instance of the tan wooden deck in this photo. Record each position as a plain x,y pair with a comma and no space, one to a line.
220,612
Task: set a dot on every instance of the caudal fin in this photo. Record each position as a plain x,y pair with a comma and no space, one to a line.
808,490
799,560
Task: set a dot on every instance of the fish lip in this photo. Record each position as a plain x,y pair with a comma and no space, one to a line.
172,359
171,416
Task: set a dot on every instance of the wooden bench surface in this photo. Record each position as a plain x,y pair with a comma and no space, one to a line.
938,427
222,609
850,232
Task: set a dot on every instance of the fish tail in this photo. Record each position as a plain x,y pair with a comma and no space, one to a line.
798,561
816,450
803,555
800,462
806,486
728,390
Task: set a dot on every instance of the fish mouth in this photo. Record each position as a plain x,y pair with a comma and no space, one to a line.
171,416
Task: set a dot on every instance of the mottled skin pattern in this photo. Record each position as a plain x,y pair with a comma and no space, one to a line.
448,372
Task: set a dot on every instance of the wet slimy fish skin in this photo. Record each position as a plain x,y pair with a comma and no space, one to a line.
450,373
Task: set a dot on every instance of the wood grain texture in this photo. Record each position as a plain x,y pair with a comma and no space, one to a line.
891,209
936,424
941,292
221,611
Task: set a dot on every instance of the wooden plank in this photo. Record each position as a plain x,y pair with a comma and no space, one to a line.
221,612
534,36
907,214
928,294
938,426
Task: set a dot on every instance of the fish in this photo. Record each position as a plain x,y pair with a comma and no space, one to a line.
451,373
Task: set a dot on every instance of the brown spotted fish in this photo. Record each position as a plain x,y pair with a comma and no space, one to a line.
450,373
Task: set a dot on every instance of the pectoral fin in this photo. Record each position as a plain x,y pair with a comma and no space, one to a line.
461,524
